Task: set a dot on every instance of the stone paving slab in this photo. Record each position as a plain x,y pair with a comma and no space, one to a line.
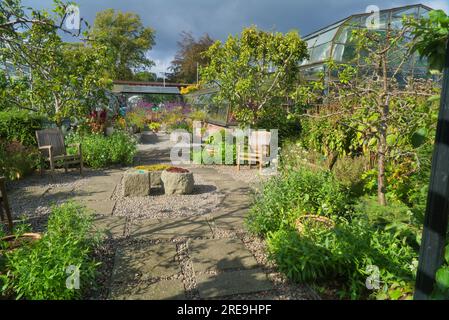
142,261
162,290
111,226
102,207
150,229
231,283
220,254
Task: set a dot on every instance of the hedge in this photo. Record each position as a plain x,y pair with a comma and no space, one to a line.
20,126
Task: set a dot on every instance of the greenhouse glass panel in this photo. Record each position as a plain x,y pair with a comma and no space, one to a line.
321,52
344,53
383,21
397,16
326,37
345,34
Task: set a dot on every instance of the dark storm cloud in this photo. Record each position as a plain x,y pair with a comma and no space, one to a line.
222,17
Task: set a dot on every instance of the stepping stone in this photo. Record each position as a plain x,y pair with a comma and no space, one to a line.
140,261
162,290
220,254
113,227
151,229
103,207
231,283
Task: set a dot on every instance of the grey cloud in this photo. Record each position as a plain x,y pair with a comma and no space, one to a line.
222,17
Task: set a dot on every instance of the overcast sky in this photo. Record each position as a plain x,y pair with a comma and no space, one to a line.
222,17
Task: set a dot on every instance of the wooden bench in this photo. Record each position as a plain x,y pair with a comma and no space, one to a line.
256,151
52,147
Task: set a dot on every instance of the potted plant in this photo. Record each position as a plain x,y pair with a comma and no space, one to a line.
177,181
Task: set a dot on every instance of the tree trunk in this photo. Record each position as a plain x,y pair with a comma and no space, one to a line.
383,130
381,184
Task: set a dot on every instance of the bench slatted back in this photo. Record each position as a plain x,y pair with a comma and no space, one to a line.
54,138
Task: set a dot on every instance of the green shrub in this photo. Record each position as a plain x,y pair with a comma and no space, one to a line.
38,271
347,252
100,151
441,291
20,126
16,160
284,198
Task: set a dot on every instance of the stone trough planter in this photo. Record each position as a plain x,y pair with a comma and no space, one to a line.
136,183
177,181
155,173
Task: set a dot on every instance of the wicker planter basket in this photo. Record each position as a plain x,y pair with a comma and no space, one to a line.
15,242
315,221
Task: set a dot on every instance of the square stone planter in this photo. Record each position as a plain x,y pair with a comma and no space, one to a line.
136,183
178,183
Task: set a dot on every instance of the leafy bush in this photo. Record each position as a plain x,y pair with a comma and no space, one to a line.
20,126
351,251
136,118
16,160
38,270
284,198
100,151
442,279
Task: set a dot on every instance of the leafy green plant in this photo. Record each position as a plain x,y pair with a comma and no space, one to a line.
431,36
20,126
348,252
100,151
16,160
442,279
283,199
37,271
137,118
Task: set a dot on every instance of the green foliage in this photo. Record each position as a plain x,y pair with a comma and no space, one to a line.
136,118
189,57
20,126
283,199
128,41
16,160
442,279
346,252
254,70
67,79
100,151
431,36
37,271
216,150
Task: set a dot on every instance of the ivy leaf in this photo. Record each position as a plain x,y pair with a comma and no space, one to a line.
442,278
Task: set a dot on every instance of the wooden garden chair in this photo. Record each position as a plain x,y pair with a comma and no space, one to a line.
52,147
5,211
256,151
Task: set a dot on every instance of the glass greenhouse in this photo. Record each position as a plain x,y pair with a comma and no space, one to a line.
331,43
334,43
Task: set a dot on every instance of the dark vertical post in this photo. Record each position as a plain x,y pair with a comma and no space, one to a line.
437,212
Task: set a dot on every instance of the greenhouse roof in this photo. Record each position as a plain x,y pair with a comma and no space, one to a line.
333,42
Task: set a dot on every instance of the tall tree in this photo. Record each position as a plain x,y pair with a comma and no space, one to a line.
51,77
255,70
127,39
190,57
